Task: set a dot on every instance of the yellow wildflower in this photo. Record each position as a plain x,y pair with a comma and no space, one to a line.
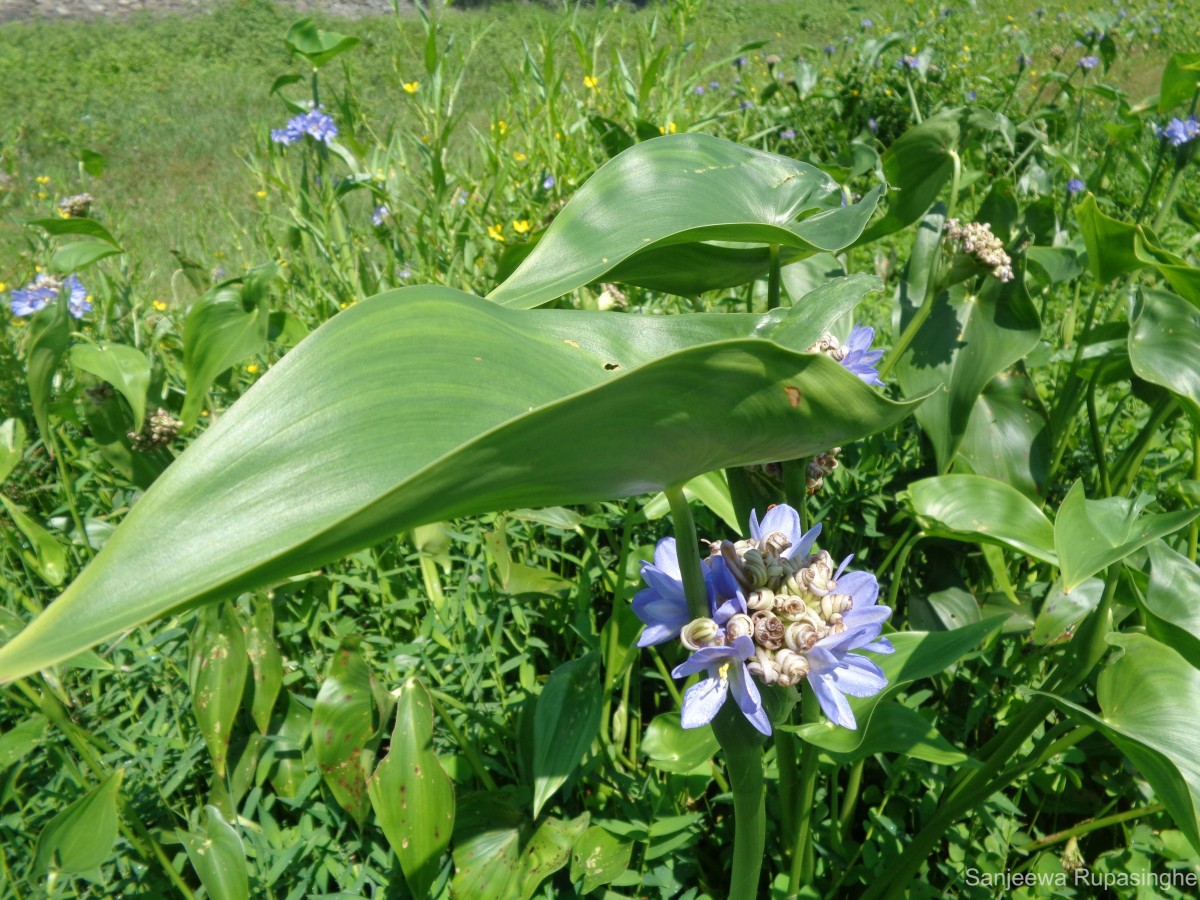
519,156
501,126
411,87
160,305
521,226
496,232
261,195
3,287
42,179
252,369
591,82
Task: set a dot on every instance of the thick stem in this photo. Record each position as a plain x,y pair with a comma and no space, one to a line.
688,551
742,745
802,850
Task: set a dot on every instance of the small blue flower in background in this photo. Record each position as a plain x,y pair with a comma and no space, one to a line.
713,85
379,216
1024,61
44,290
971,95
549,182
829,49
788,134
873,125
314,123
405,272
1178,132
867,23
908,61
1075,185
1089,62
745,104
698,90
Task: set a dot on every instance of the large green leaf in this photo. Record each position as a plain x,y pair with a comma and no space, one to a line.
1180,79
916,167
1008,435
82,226
1092,534
1172,610
967,340
982,510
218,857
315,45
78,255
1109,241
666,198
565,724
918,654
894,729
223,327
217,677
599,858
125,368
673,748
80,837
1150,701
411,794
266,663
426,403
1163,344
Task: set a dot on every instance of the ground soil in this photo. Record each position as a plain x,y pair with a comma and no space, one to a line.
16,10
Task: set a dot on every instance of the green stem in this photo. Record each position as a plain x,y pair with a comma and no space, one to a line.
468,748
802,850
789,780
688,553
742,745
773,279
1068,394
1089,826
64,478
1162,154
912,98
850,800
1194,528
1097,438
1126,471
1168,200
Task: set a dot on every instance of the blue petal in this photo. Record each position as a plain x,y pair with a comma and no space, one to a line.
749,701
859,677
803,544
863,588
833,704
703,701
781,518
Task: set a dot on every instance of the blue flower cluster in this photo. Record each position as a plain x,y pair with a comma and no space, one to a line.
777,615
1178,132
44,289
314,123
1075,185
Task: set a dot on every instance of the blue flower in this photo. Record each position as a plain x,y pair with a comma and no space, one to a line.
745,104
971,96
662,605
549,182
740,62
713,85
1075,185
1089,62
314,123
727,671
379,216
908,61
867,23
1178,132
829,49
786,521
860,359
873,125
698,90
788,134
79,304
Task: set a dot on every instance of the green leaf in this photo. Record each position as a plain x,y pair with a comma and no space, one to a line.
1163,341
711,489
894,729
1150,701
599,858
1055,265
1173,615
548,851
916,168
967,340
293,728
49,336
315,45
1090,535
918,655
12,446
225,326
670,196
501,408
217,676
565,724
1109,242
487,846
345,722
982,510
80,837
21,739
80,254
1183,277
1180,78
411,793
1008,435
1063,610
125,368
93,163
83,227
673,748
266,663
218,858
48,558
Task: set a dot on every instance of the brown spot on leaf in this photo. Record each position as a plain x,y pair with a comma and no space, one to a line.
793,394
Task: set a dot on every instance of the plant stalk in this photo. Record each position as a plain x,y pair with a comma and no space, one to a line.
688,551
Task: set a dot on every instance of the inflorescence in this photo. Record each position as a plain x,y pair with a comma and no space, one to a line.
778,615
314,123
977,240
44,289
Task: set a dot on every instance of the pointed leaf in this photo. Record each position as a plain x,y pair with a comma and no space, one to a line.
315,45
1180,80
673,748
669,195
266,663
48,558
501,408
1150,701
411,793
1162,346
1090,535
344,722
894,729
81,226
548,851
80,837
125,368
982,510
49,336
218,857
565,724
217,675
1109,241
487,847
22,739
967,340
80,254
12,446
1008,435
1063,610
1173,615
293,727
599,858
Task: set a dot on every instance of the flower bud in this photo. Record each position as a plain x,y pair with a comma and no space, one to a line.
739,625
700,633
763,665
762,599
800,636
793,667
768,630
